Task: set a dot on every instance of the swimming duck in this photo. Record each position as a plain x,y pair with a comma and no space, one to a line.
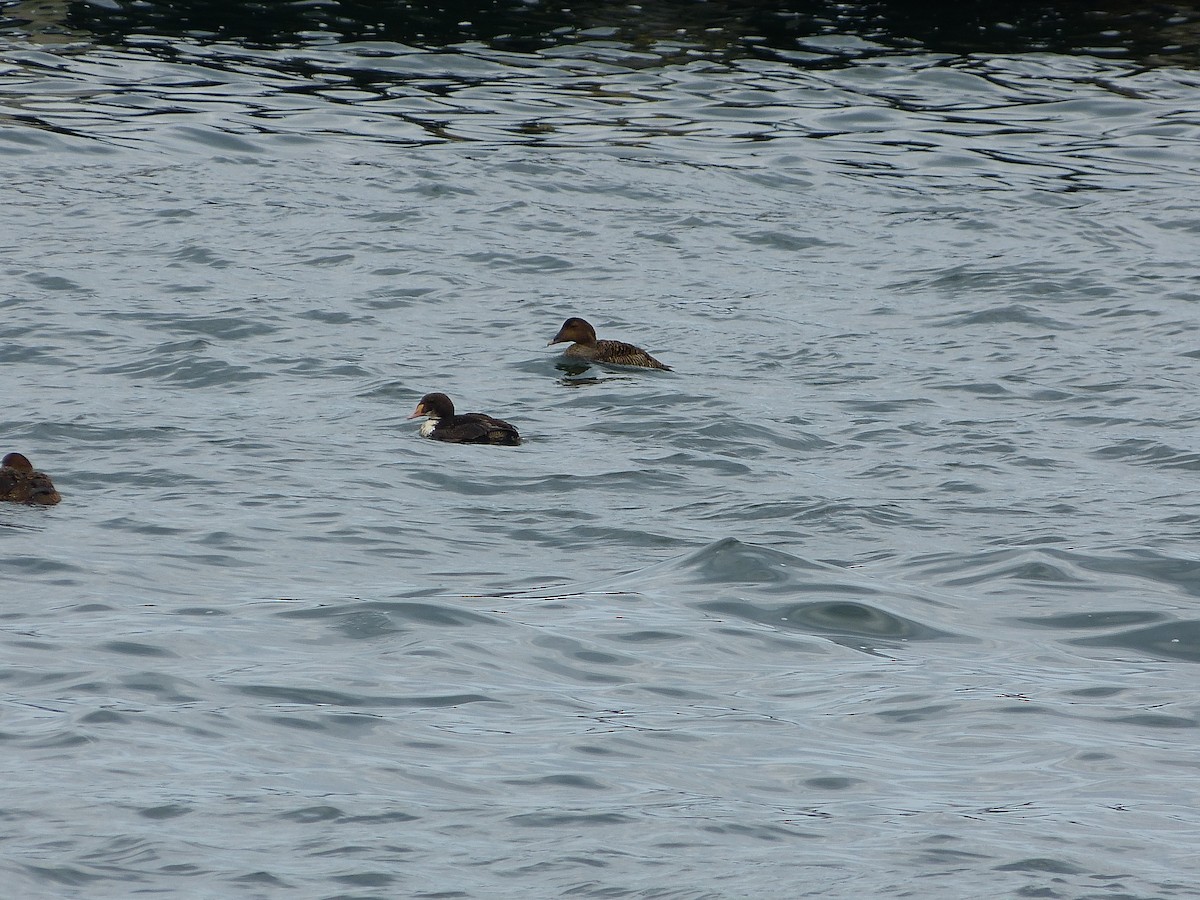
21,484
614,352
467,428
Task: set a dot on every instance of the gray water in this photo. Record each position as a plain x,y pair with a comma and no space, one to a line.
888,589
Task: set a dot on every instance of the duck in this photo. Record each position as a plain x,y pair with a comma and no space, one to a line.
465,428
19,483
613,352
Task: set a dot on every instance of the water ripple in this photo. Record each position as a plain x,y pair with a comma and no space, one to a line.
900,558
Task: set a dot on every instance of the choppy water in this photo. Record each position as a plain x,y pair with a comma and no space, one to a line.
889,589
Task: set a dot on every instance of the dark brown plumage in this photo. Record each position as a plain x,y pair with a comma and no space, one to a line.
19,483
613,352
465,428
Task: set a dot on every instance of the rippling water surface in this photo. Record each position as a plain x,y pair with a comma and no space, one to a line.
888,589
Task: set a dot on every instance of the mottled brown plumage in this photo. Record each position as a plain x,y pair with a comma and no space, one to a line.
613,352
465,428
19,483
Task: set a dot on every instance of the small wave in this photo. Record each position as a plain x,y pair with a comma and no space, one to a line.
730,561
1151,453
1070,569
840,613
228,325
191,371
1178,640
314,696
859,626
368,620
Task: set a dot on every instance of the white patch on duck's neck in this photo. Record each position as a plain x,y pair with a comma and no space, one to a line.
428,425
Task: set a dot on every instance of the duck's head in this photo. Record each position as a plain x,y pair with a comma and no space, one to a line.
435,406
18,461
577,330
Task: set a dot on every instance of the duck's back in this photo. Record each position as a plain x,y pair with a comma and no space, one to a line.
617,353
27,487
476,428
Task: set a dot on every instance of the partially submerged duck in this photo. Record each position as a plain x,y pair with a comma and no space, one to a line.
613,352
466,428
19,483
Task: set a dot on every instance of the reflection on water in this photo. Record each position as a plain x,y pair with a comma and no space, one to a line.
672,31
994,122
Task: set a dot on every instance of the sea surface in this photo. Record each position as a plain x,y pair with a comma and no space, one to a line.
890,588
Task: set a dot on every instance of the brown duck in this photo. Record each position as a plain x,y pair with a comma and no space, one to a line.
19,483
612,352
465,428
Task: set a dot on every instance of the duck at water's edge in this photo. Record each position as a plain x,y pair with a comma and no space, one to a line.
466,428
19,483
613,352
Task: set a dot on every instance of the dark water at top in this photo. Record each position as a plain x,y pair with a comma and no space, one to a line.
888,589
1165,31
